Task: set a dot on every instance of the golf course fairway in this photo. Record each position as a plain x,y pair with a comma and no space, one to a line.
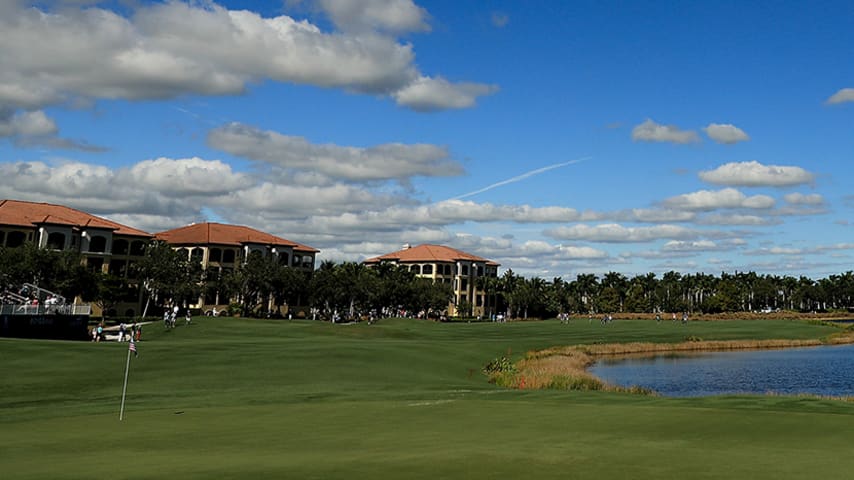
245,398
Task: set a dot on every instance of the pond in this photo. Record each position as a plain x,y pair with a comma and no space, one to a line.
825,370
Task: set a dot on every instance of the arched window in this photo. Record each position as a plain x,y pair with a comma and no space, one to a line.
427,270
215,255
228,256
197,255
137,248
56,241
97,244
120,247
284,258
185,252
15,239
416,269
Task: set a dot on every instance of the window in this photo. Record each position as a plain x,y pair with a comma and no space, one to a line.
15,239
56,241
427,270
120,247
480,271
118,268
137,248
197,255
464,285
416,269
95,264
465,270
448,270
284,258
97,244
307,260
2,237
228,256
215,255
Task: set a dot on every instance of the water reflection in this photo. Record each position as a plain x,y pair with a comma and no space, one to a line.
826,370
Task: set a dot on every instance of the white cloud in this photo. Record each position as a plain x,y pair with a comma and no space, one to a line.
804,199
428,94
35,128
392,161
755,174
186,177
615,233
735,219
691,246
652,215
396,16
650,131
725,133
170,49
716,199
842,96
26,124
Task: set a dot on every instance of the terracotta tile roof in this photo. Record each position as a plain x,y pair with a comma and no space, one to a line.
429,253
32,214
210,233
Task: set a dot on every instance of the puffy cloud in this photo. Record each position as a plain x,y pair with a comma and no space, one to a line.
26,124
842,96
804,199
367,15
174,48
725,133
615,233
392,161
34,128
187,177
755,174
430,94
712,200
650,131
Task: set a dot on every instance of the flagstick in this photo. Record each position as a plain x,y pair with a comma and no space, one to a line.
124,388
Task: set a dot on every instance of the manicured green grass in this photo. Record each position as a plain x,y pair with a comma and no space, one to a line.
235,398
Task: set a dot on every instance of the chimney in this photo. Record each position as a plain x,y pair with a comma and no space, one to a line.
406,246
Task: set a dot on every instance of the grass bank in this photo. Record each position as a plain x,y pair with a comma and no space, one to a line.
239,398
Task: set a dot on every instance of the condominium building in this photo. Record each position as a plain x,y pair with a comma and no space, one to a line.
106,246
447,265
221,248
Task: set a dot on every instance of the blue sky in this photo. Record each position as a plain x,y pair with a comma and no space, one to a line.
556,138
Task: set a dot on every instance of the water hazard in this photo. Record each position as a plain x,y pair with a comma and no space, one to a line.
825,370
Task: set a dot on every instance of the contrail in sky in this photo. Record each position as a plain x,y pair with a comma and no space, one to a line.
522,177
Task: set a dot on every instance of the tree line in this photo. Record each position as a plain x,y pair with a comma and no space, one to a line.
164,276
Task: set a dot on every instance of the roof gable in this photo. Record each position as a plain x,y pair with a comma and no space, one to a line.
32,214
429,253
211,233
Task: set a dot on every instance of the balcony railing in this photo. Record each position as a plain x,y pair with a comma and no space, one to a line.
45,309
